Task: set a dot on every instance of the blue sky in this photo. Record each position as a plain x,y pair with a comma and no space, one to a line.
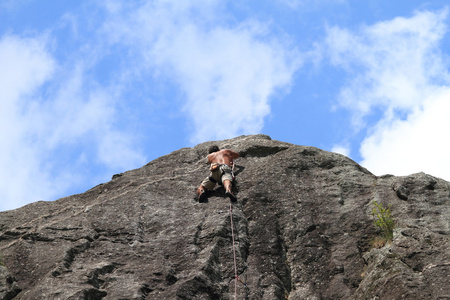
94,88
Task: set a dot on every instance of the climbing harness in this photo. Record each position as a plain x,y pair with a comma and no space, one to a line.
222,168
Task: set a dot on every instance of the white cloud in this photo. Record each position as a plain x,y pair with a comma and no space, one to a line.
395,61
309,5
417,144
228,74
41,154
25,66
396,67
341,149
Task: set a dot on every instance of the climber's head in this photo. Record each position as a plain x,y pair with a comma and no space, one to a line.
213,149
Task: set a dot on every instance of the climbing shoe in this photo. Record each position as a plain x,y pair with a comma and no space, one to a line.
202,198
231,196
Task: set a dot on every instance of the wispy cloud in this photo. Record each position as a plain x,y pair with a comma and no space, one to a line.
228,74
341,149
48,111
26,65
397,67
309,5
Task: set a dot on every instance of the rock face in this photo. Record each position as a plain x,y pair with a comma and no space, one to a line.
302,227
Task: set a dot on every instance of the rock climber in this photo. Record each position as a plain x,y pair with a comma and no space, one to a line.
221,171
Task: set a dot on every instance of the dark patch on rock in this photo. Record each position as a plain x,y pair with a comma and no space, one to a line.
115,176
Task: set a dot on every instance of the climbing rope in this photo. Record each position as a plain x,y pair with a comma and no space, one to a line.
234,253
236,277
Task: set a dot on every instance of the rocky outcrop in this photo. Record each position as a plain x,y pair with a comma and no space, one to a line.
302,227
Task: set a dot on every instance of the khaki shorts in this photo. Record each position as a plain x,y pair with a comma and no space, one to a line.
218,175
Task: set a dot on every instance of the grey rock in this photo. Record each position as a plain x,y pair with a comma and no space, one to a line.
302,227
8,285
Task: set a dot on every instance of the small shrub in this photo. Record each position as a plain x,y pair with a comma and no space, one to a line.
383,220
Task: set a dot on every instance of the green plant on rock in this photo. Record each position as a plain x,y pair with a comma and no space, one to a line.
383,220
